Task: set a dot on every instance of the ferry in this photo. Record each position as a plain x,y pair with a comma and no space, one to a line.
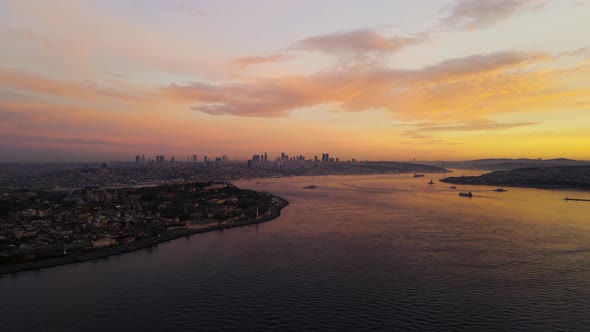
468,194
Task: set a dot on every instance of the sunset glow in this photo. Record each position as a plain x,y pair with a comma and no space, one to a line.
378,80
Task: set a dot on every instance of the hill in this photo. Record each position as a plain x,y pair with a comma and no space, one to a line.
539,177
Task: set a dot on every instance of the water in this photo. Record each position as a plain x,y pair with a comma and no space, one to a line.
383,252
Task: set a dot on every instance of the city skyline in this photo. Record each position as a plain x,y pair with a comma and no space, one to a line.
379,80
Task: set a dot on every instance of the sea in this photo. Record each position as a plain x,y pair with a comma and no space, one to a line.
358,253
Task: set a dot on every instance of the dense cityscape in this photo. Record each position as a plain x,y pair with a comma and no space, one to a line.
64,209
148,171
45,224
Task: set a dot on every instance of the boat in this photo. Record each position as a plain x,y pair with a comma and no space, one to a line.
576,199
430,182
310,187
453,187
500,190
416,175
468,194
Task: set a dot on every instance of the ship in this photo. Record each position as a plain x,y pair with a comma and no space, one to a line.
500,190
310,187
466,194
416,175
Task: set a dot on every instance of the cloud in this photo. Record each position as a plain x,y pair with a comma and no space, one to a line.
354,48
447,89
85,90
19,34
579,52
358,42
243,62
81,37
475,14
171,7
110,73
473,125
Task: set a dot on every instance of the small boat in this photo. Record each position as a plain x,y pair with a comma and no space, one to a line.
430,182
577,199
500,190
468,194
453,187
416,175
310,187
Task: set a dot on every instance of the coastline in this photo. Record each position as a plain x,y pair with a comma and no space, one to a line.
275,212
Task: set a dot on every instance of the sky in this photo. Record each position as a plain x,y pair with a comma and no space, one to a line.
371,80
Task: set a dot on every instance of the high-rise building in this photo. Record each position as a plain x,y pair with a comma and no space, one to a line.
143,159
265,157
137,159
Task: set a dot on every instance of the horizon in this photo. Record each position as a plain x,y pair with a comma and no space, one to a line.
182,160
88,81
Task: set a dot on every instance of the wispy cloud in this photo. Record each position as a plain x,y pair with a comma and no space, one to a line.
359,42
243,62
473,125
354,47
85,90
450,88
171,7
475,14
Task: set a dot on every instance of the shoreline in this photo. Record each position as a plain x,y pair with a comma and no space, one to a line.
275,212
531,186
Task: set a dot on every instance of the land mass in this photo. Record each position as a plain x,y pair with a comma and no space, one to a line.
577,177
497,164
47,228
75,175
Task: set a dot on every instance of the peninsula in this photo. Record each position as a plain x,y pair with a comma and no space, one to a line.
47,228
576,177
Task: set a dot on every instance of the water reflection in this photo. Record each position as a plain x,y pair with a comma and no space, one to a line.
387,252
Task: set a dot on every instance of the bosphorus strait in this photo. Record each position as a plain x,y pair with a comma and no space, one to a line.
377,252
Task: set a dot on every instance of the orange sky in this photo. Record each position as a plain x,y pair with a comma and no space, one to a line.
456,79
